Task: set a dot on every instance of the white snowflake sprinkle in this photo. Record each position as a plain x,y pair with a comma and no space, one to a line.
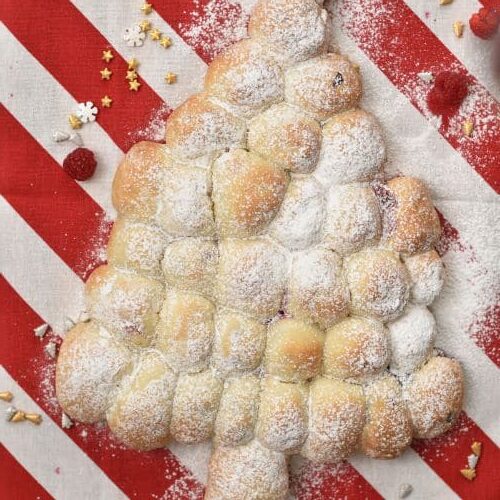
86,111
472,461
76,139
426,76
134,36
10,412
405,490
66,422
59,136
41,330
50,349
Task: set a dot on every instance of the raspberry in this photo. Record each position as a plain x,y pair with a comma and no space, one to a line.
447,94
80,164
484,23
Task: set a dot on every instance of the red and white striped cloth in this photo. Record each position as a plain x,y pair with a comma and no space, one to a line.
52,227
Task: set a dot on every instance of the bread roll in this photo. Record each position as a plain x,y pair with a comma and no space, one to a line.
248,192
355,348
237,413
318,292
299,220
185,331
294,351
250,471
336,419
352,220
191,264
238,345
427,276
434,396
282,421
140,414
388,429
412,337
138,179
379,284
285,135
323,86
185,207
195,407
89,367
252,276
246,78
199,127
136,246
293,29
353,149
412,224
126,304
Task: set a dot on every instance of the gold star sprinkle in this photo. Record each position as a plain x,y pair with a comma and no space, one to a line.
106,101
469,474
131,75
134,85
147,8
34,418
468,127
445,2
18,416
145,26
107,55
458,28
74,121
105,74
170,78
476,448
165,41
133,63
6,396
155,34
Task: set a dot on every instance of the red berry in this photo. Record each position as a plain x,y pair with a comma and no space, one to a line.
447,94
491,4
484,23
80,164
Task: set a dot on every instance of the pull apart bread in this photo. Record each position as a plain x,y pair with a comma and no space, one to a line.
266,287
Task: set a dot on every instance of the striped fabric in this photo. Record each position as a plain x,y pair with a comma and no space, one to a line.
53,227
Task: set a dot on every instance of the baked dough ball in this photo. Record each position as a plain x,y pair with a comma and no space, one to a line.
248,192
379,284
299,220
136,246
126,304
353,149
246,78
185,331
318,292
355,348
199,127
294,351
427,276
282,421
138,179
140,414
90,364
237,411
294,29
185,207
239,343
250,471
191,264
323,86
252,276
412,225
195,407
412,336
284,135
387,431
434,396
352,219
336,419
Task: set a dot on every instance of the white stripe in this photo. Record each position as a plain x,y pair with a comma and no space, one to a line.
43,450
473,52
43,106
37,273
112,17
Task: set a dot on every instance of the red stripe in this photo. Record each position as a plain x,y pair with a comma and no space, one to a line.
448,454
52,203
314,481
139,475
485,330
16,482
401,45
70,48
